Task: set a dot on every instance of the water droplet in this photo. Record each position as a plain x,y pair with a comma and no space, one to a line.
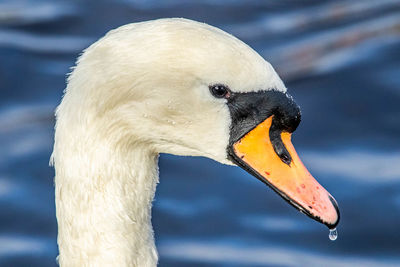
145,115
333,234
173,122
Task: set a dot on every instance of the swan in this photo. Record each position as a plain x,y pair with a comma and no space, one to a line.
166,86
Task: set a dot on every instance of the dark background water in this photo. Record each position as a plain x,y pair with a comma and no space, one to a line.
339,59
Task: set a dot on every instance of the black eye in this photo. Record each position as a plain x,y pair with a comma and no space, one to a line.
219,90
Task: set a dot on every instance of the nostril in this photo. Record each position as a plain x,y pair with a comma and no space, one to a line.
281,151
285,158
279,147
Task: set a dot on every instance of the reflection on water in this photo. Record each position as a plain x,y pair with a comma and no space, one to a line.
340,60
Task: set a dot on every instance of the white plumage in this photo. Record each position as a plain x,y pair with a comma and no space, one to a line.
139,91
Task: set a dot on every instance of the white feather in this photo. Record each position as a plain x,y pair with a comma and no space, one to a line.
139,91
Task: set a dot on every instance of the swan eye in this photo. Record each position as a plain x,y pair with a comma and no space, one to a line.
219,91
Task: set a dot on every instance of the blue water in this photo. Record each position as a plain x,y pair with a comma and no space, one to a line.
339,59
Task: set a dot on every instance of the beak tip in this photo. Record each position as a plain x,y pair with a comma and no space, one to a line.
335,205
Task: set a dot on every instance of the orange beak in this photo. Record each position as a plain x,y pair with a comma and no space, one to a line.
255,153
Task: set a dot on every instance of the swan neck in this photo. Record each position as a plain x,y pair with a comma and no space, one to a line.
103,200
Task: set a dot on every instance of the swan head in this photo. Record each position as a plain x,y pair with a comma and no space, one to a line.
186,88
